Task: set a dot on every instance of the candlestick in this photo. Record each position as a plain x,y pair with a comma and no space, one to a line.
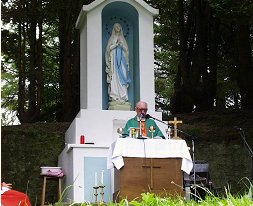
102,193
102,177
152,130
96,179
96,193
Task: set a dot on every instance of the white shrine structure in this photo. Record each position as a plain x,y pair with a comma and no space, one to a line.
80,162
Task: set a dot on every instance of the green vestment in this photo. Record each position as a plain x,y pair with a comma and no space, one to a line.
135,124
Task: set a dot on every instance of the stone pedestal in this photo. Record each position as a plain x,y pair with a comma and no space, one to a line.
125,106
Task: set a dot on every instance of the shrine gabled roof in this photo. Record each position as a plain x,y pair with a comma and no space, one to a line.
87,8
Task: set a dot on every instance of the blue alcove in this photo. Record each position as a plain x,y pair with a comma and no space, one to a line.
127,16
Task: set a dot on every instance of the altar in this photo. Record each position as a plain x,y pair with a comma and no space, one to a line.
149,165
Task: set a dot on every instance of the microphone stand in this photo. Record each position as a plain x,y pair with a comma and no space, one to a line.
242,134
140,127
192,138
193,150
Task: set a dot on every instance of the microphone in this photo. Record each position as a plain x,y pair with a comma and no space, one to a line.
147,116
142,115
237,128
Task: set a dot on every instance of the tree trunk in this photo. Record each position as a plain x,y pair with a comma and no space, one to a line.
244,62
21,74
199,74
39,63
69,61
211,86
30,102
32,87
195,83
182,101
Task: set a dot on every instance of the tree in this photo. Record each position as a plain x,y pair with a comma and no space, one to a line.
208,54
69,60
41,45
195,85
29,50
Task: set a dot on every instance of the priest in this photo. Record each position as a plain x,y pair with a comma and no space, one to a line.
140,126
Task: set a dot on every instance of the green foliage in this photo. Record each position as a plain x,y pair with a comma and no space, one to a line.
24,150
150,199
226,14
166,52
18,15
165,73
229,8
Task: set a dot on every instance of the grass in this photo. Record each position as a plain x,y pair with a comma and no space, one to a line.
150,199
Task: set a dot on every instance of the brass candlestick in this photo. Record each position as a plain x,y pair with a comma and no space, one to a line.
152,130
102,193
96,193
134,132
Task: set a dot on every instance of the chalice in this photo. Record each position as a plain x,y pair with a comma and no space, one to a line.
120,131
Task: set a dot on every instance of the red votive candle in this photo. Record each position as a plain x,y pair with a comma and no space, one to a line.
82,139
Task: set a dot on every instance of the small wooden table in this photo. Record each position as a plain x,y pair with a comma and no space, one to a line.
45,177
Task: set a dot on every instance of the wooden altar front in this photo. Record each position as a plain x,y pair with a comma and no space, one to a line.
162,176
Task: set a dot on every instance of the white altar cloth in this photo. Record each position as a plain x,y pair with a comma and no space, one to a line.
149,148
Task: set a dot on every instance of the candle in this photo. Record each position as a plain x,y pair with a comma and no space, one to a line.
96,179
82,139
102,177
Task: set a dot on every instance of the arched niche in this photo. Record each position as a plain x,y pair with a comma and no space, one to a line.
127,16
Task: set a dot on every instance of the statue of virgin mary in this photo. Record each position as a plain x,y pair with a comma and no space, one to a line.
117,66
